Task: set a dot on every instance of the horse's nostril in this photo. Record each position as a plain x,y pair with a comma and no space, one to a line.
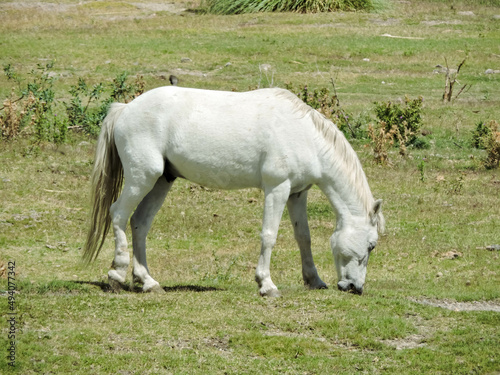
354,290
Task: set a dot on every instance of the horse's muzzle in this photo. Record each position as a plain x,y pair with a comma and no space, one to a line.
347,286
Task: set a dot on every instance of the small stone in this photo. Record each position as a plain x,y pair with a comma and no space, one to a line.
439,274
185,60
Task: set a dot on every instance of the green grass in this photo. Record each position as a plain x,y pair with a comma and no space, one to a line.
204,244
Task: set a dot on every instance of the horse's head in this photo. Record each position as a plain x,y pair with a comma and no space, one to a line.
351,246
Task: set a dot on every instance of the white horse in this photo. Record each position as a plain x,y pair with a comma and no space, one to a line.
267,139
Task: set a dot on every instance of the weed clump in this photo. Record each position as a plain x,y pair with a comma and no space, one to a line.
406,118
487,137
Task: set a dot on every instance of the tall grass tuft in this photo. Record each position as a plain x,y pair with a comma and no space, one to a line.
300,6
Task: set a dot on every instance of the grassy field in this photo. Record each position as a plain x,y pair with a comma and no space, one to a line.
432,299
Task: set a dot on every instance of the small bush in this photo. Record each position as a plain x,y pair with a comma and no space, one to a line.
86,110
480,135
407,119
34,109
82,115
492,146
382,140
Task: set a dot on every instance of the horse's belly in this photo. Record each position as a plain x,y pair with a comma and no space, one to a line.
220,171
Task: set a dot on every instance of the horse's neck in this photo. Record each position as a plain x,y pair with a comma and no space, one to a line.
344,181
349,195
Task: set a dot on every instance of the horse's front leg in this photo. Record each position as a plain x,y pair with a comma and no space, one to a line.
297,208
275,201
141,223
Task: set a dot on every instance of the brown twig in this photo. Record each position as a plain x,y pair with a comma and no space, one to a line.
14,101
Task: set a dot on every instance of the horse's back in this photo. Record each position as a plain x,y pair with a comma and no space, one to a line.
222,139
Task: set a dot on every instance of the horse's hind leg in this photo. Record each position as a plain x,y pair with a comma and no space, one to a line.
297,208
141,223
138,183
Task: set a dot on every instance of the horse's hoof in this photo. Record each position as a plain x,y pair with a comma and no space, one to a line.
318,286
115,286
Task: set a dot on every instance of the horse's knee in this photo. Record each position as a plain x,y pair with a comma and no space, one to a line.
268,240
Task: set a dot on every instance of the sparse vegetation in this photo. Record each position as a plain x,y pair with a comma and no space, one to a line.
486,136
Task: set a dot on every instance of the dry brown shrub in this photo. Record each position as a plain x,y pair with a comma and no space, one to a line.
13,114
382,140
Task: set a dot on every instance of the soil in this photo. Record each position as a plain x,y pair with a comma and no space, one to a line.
460,306
57,7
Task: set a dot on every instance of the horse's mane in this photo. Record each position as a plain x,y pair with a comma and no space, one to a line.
344,156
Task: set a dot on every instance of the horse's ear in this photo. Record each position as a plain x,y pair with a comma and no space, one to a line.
376,215
377,208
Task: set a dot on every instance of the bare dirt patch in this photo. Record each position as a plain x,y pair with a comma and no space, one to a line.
60,7
460,306
410,342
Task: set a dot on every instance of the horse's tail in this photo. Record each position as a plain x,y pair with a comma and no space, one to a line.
106,181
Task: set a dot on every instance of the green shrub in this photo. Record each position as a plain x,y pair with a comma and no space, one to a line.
34,110
492,146
480,135
406,118
86,110
84,116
